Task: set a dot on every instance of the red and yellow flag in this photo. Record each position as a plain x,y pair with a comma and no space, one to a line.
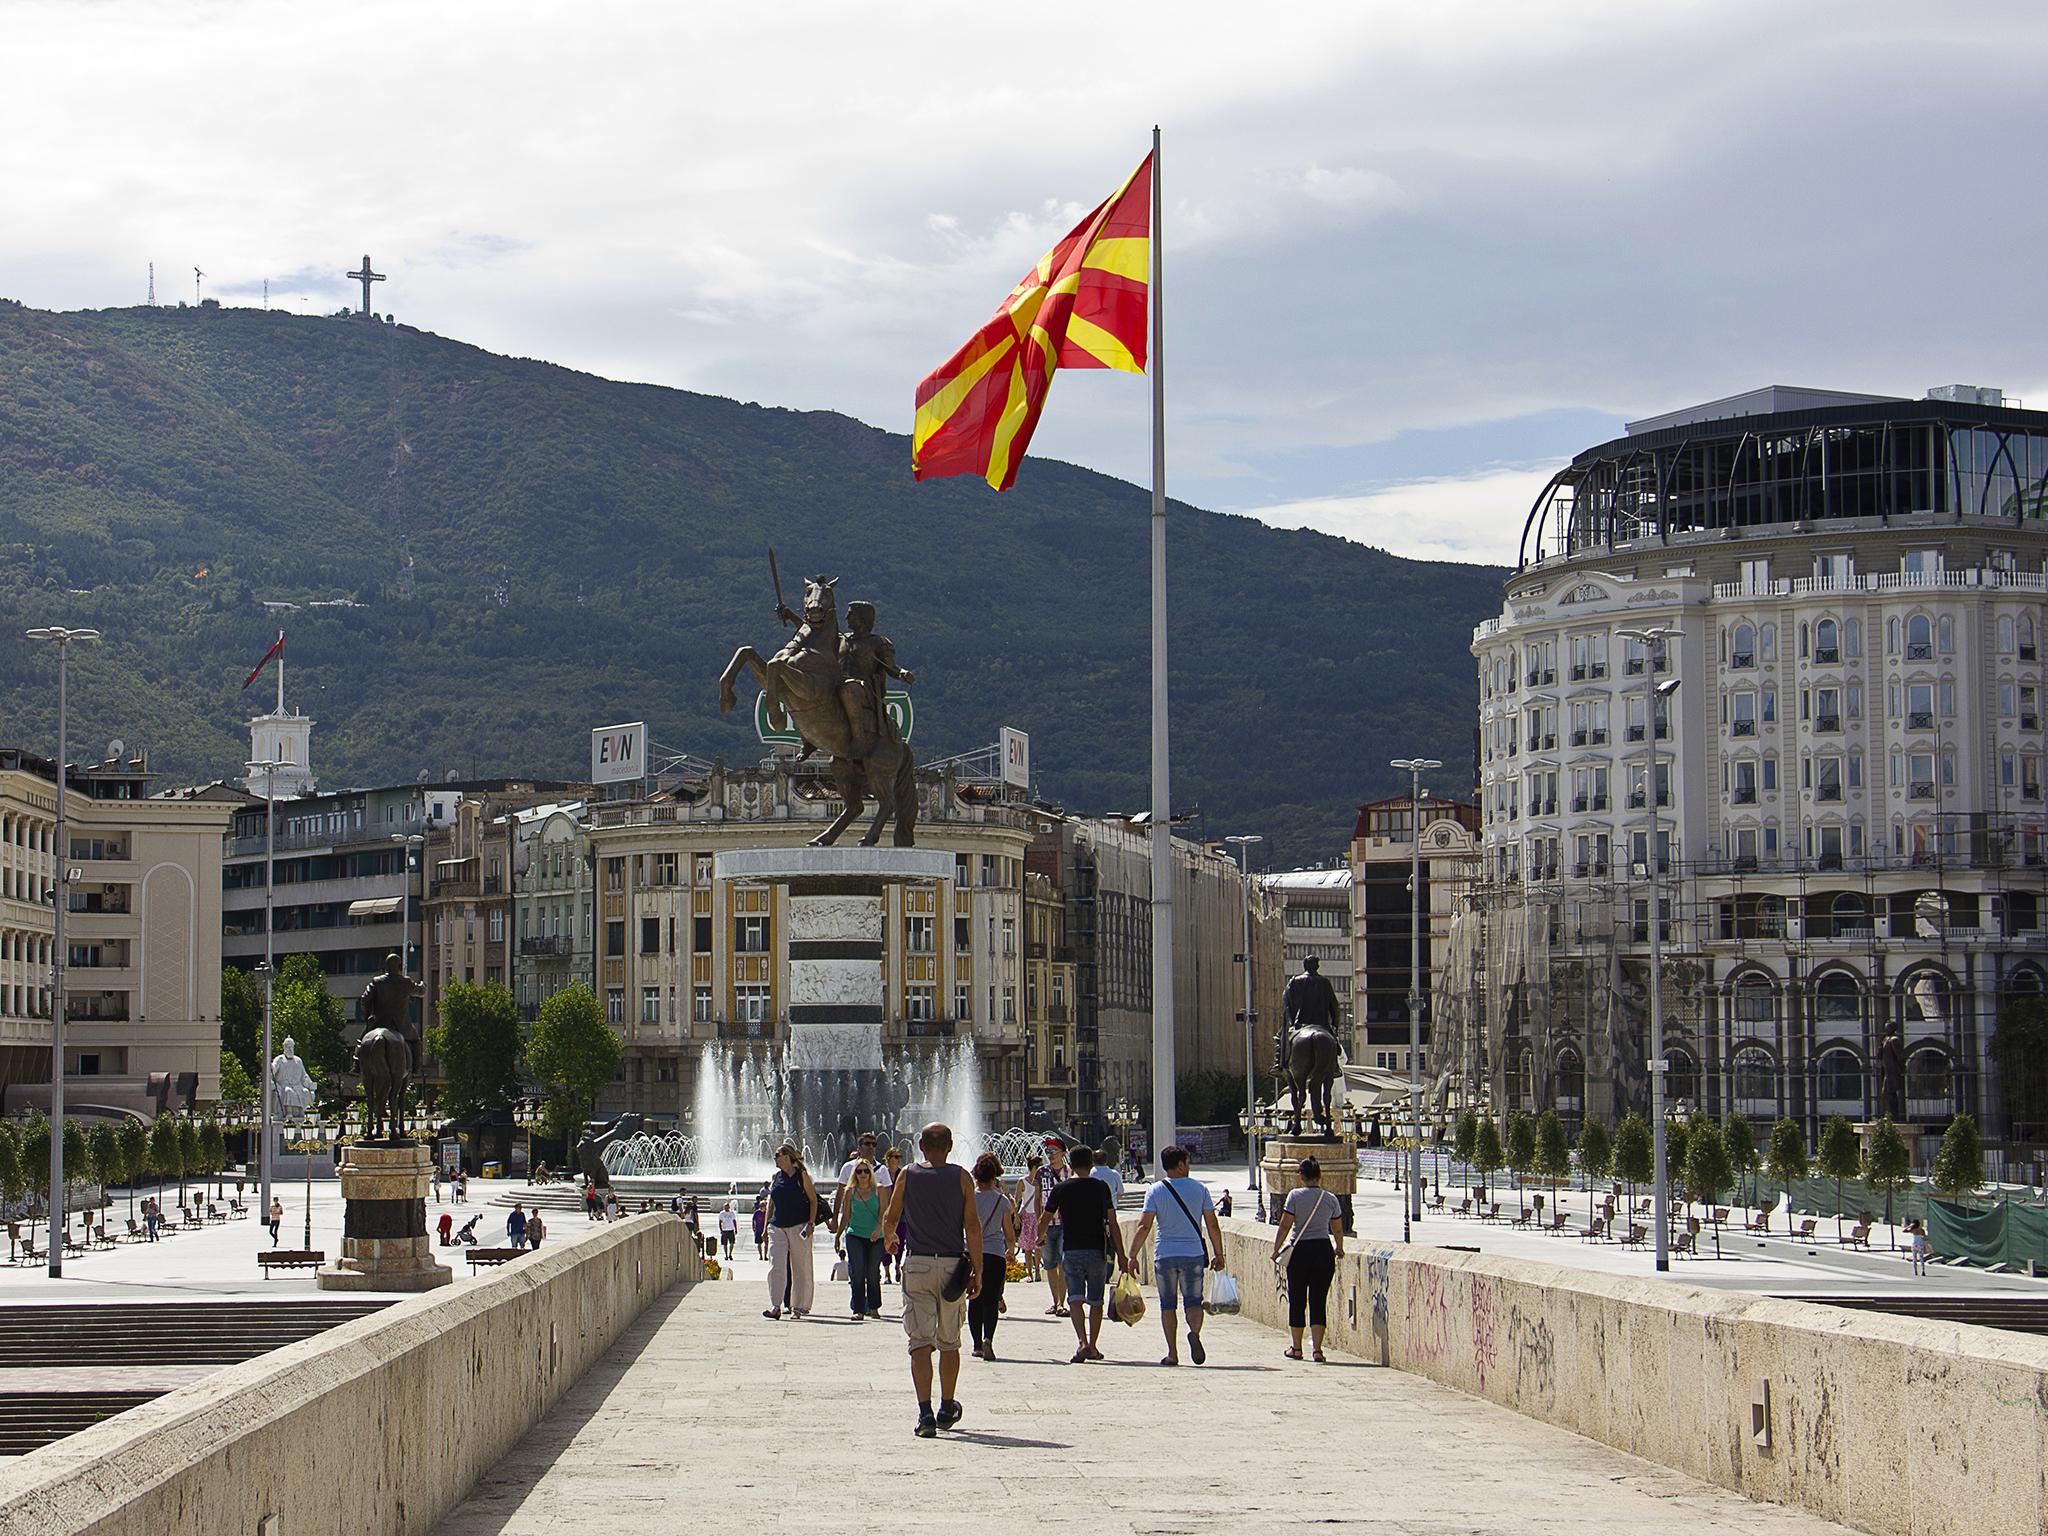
1082,306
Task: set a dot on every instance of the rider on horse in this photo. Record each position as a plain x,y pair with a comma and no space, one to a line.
1309,1002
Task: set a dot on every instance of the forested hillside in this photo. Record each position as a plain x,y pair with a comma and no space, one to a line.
535,551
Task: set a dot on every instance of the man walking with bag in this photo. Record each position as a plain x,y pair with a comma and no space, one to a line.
934,1201
1086,1211
1182,1253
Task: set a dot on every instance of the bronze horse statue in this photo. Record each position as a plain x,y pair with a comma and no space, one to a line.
830,687
1314,1063
384,1062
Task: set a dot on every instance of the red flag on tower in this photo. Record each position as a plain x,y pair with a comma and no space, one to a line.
277,649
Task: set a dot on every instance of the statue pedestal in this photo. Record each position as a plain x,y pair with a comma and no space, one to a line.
384,1245
1279,1172
1912,1135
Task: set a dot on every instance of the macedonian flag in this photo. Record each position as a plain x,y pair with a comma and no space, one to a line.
1082,306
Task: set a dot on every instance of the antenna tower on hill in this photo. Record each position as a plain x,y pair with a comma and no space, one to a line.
151,300
196,276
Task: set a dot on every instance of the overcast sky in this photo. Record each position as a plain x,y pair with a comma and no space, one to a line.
1417,254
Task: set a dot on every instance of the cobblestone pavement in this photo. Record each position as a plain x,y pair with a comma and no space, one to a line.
706,1415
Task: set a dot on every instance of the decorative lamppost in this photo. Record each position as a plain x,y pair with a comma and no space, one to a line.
1652,638
1414,767
267,971
60,1214
1251,1143
526,1115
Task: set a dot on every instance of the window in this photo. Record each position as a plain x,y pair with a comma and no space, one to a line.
650,935
700,935
919,1004
1919,638
1922,563
1841,1076
1756,1003
615,1004
750,1003
1827,642
700,1004
2027,652
1927,1075
615,874
700,868
1837,1003
961,941
1767,642
1920,707
650,1005
1852,637
2005,633
1744,721
1755,1079
963,1001
918,937
1742,646
615,940
497,928
666,868
750,935
1945,635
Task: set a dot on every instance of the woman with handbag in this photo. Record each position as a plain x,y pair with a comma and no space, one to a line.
998,1215
862,1243
792,1211
1311,1214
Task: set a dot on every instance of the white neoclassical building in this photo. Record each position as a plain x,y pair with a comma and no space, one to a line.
1830,770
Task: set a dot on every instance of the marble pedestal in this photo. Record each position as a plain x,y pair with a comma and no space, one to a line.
384,1245
1279,1172
1912,1135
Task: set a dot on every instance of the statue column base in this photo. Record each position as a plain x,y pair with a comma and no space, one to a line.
384,1245
1912,1135
1279,1172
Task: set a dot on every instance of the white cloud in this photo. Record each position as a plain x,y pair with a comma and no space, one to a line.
1350,187
1474,519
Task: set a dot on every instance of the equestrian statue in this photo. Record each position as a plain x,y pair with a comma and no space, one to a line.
385,1057
1306,1051
831,686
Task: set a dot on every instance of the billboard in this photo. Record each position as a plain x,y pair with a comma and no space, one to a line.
618,753
1015,748
895,701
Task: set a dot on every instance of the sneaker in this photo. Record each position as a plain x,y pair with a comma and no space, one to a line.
949,1413
927,1426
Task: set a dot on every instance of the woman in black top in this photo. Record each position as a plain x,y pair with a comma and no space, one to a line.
792,1207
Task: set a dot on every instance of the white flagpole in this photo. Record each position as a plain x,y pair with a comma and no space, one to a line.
1164,1129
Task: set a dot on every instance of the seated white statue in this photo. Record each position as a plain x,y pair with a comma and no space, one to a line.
291,1083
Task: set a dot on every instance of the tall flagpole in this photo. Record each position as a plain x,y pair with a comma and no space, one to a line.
1164,1129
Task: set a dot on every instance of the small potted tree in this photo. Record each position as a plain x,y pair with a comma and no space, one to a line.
1521,1154
1887,1167
1596,1155
1959,1165
1486,1154
1840,1158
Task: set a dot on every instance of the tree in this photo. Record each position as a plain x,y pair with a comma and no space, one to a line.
1708,1168
1596,1156
1786,1160
303,1008
573,1054
478,1044
213,1151
1465,1137
190,1160
134,1156
105,1154
1521,1150
1959,1165
1676,1133
1840,1158
166,1154
1486,1152
1634,1160
77,1166
1740,1140
1553,1150
2019,1049
236,1085
1887,1165
13,1178
35,1161
241,1021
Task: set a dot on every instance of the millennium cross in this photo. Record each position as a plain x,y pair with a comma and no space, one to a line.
366,277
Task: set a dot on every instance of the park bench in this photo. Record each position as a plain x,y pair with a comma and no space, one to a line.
30,1253
237,1209
1643,1206
289,1258
1859,1236
1557,1219
1491,1213
485,1256
1436,1202
1526,1217
1761,1221
214,1213
1595,1230
1688,1242
1806,1228
1464,1208
135,1232
1721,1214
1637,1232
101,1238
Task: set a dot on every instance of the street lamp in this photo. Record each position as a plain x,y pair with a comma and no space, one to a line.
59,957
1244,840
267,971
1415,768
1652,638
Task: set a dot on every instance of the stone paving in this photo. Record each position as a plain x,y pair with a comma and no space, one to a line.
708,1415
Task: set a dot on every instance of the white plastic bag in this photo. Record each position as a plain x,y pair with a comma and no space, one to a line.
1222,1293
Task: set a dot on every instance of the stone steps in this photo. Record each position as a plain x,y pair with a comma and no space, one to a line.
163,1333
2015,1314
32,1419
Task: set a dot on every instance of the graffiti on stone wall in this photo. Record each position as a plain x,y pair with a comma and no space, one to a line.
1535,1361
1379,1280
1485,1328
1428,1315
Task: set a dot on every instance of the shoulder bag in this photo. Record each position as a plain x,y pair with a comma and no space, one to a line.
1200,1236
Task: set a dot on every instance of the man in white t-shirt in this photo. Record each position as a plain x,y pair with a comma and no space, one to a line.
1106,1172
863,1152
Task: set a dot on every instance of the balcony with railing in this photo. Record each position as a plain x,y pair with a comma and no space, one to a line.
927,1029
1827,655
1742,659
1920,720
1827,723
545,946
1742,728
1920,791
745,1029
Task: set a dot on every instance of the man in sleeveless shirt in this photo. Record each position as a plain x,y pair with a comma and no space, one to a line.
935,1200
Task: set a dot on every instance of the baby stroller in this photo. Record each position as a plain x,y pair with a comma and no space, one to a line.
467,1235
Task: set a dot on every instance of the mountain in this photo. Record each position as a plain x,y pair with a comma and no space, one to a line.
508,553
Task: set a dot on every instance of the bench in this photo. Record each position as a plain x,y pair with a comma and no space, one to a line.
1595,1230
1464,1208
1859,1236
481,1256
1761,1221
1688,1242
1637,1234
289,1258
1557,1219
1806,1227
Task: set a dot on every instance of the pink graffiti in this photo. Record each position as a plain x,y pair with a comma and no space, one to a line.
1485,1329
1429,1315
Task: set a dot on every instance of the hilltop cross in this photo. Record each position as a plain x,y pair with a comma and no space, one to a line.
366,277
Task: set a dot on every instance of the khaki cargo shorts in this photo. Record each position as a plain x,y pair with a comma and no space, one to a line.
929,1320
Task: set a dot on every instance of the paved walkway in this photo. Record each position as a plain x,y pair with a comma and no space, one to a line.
707,1415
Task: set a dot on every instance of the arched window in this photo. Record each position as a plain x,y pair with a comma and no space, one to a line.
1682,1076
2005,633
1523,1088
1929,1000
2024,982
1945,635
1756,1076
1571,1080
1891,636
1767,642
1837,1000
1827,641
1742,646
1840,1076
2026,637
1756,1004
1927,1075
1919,637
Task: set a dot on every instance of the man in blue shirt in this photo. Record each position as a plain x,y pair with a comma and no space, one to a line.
1180,1206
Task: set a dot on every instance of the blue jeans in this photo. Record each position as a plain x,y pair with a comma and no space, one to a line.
1087,1272
1180,1284
864,1271
1055,1246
